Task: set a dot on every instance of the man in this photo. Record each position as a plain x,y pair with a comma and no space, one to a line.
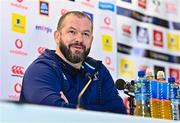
57,77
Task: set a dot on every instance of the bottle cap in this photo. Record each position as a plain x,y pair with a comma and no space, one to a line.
149,72
171,80
141,73
160,75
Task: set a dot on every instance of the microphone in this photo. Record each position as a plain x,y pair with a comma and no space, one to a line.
83,90
120,84
128,87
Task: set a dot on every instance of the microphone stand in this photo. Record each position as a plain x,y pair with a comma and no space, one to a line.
131,105
82,92
131,102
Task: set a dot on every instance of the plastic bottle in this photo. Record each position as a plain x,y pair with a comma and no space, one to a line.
154,94
165,103
175,98
142,95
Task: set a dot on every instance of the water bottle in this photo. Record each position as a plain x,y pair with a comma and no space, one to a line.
142,95
154,94
165,103
175,98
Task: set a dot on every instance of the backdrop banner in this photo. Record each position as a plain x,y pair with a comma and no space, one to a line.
128,36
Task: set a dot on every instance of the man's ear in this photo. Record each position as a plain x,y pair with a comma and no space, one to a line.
57,37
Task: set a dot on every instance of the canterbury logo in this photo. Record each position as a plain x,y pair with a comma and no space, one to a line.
17,70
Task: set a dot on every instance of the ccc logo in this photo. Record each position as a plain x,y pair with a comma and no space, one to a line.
41,50
18,70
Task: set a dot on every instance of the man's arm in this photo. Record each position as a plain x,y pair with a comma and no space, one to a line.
41,85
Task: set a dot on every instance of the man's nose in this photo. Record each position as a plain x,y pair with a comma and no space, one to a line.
79,37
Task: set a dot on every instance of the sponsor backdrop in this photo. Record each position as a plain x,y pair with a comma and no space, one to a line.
129,35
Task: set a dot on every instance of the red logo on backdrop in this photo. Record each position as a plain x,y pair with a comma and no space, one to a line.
17,88
17,70
142,3
19,0
171,7
88,3
18,4
108,60
19,43
106,24
175,73
63,11
41,50
17,51
107,20
143,67
126,29
158,38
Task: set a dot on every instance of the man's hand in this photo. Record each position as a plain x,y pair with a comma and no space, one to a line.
63,97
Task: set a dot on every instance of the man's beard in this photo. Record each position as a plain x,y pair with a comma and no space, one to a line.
68,54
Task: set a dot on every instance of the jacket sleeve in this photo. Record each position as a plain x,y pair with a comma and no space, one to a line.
110,100
41,85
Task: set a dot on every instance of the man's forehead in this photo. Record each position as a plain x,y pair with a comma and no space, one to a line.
73,17
72,22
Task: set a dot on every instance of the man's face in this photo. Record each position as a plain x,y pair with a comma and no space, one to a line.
75,38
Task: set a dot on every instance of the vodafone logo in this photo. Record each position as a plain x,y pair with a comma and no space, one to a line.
19,43
19,1
63,11
107,20
108,60
88,3
109,64
106,24
41,50
18,4
17,88
17,70
158,37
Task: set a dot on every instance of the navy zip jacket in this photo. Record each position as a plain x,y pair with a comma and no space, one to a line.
49,74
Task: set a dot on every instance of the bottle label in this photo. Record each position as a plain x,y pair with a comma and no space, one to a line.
154,89
164,91
142,89
174,92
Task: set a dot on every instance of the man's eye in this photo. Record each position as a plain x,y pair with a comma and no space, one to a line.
86,34
72,32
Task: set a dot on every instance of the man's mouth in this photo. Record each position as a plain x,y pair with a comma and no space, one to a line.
77,48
